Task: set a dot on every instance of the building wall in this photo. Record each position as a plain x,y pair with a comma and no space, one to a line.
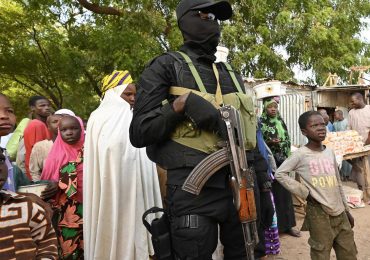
333,99
291,107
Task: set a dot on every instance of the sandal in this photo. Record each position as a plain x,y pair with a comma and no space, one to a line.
294,233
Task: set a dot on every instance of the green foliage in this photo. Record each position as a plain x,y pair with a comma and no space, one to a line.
61,50
320,35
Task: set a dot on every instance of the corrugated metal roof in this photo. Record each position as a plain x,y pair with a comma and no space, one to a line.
343,88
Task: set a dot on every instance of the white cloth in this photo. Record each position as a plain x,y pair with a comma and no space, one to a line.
359,120
120,183
65,111
4,140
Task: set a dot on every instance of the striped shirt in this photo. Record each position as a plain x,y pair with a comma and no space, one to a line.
25,228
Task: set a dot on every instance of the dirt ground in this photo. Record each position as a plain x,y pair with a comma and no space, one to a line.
297,248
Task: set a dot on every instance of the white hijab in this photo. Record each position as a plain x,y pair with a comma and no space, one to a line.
120,183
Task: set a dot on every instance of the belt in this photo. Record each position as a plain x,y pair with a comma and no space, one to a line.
192,221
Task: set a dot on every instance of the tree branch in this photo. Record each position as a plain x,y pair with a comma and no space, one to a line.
168,28
58,102
163,43
25,85
46,88
167,14
93,82
95,8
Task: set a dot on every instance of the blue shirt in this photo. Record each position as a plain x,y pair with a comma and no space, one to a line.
341,125
330,127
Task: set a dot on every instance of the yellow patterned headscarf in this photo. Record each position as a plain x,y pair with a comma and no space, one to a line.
118,77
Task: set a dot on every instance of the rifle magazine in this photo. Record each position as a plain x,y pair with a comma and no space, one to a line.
204,170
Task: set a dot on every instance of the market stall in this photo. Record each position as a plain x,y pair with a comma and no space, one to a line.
364,155
348,145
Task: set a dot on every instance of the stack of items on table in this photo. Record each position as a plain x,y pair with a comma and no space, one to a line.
344,142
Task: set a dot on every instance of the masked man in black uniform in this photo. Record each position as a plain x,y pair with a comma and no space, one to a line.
168,124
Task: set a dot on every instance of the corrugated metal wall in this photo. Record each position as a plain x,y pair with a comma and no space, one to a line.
291,107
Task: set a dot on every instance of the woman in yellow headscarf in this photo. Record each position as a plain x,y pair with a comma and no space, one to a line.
120,182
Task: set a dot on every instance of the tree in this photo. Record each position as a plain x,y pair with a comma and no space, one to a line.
62,49
59,50
319,35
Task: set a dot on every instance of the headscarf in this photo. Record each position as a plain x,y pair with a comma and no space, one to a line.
116,78
119,179
60,154
65,111
275,127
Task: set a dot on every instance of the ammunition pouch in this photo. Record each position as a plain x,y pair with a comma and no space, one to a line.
187,134
161,234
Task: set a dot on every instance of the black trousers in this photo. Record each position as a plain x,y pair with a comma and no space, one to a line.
199,243
284,207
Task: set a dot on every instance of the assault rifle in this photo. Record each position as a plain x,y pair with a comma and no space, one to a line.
233,154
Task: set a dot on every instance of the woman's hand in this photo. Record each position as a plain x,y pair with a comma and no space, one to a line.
274,141
50,190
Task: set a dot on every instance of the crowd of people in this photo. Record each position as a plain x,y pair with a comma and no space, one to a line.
99,181
97,185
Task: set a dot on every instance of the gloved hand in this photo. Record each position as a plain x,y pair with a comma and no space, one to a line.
204,115
267,209
350,219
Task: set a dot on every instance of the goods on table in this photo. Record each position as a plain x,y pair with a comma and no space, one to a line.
354,197
344,142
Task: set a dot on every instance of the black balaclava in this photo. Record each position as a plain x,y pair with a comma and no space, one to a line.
200,34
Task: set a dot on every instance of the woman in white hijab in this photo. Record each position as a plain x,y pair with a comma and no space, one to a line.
120,182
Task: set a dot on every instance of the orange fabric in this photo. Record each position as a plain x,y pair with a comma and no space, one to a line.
35,131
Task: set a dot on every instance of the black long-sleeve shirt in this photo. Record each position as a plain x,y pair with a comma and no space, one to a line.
153,121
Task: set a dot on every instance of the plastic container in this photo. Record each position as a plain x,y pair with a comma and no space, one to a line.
34,188
269,89
221,54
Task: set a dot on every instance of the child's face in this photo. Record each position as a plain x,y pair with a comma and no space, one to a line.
338,116
315,128
3,170
7,117
53,122
70,129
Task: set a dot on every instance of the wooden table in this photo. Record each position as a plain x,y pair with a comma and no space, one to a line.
364,155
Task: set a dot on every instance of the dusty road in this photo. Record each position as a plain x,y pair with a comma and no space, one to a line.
297,248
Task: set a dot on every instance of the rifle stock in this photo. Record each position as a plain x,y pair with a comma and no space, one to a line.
247,210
